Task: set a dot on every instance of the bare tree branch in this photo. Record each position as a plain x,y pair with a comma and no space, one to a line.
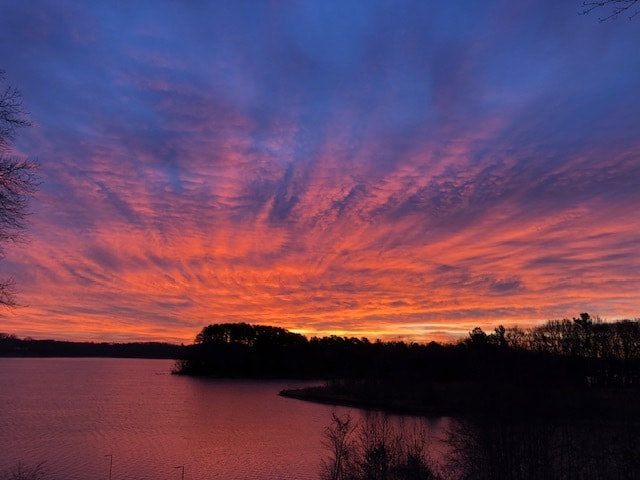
18,180
12,115
613,8
23,472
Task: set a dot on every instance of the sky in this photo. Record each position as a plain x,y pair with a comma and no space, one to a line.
389,169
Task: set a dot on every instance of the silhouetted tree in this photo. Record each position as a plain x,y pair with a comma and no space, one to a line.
338,440
23,472
241,349
375,449
477,337
498,337
17,178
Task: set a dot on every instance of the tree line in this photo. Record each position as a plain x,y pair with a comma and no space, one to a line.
544,367
609,352
12,346
604,353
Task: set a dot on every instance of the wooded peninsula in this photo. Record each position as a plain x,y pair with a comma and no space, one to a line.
571,367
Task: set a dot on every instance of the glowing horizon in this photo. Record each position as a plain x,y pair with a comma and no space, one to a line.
363,170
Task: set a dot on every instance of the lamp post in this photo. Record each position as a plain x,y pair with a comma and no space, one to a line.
110,463
182,467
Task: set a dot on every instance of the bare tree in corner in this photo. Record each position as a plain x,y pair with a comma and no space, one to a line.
18,179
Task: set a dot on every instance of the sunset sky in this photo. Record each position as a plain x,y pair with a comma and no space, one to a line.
387,169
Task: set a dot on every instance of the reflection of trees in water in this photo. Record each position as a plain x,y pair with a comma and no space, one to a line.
539,449
489,448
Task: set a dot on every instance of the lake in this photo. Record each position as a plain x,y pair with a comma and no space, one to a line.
78,414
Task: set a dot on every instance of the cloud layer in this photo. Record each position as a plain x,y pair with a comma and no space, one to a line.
384,170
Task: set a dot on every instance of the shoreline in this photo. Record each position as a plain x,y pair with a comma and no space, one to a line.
471,400
328,396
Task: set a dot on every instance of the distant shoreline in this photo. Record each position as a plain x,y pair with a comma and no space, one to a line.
14,347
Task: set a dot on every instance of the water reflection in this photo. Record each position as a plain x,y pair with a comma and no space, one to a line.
71,413
493,447
545,449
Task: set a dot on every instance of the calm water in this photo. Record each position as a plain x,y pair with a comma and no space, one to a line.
71,413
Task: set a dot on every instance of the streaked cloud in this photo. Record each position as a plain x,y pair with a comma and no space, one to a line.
381,170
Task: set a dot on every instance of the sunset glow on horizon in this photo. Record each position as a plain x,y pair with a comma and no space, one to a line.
396,171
